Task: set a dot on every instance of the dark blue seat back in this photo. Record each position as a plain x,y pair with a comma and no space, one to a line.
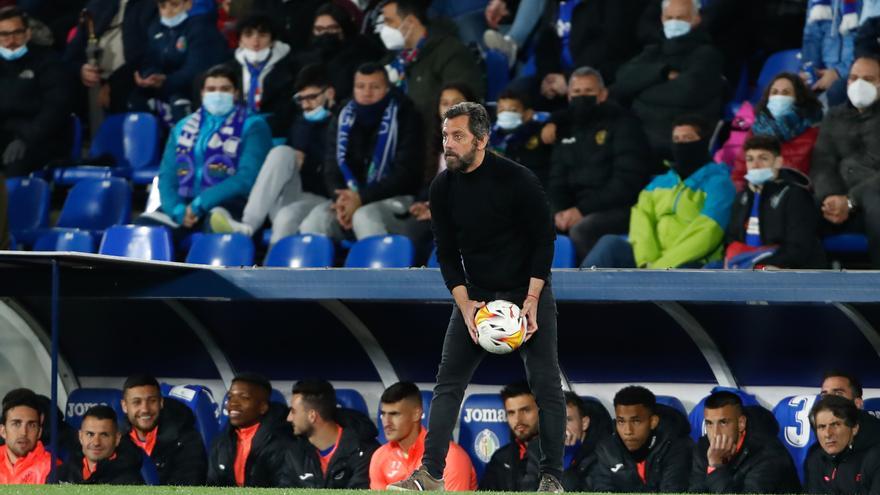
96,204
564,255
221,250
483,428
349,398
82,399
497,74
302,251
795,433
141,242
66,240
201,402
784,61
28,203
391,251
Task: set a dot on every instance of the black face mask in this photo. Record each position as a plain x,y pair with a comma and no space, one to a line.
327,43
689,157
582,108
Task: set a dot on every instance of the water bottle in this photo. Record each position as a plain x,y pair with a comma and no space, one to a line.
810,70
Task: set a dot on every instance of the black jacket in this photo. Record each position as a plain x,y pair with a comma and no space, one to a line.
788,218
407,167
508,472
601,164
311,138
853,471
667,465
124,469
179,454
868,38
350,465
342,61
658,100
524,146
269,463
576,477
762,466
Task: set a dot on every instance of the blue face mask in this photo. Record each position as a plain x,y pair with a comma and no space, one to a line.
218,103
779,105
10,55
674,28
317,114
760,176
175,21
509,120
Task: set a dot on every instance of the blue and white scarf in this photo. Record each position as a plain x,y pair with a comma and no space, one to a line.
221,155
383,154
785,128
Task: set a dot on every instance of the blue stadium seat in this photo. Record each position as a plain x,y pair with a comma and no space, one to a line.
200,7
672,402
426,409
795,433
564,255
432,260
784,61
66,240
696,415
95,205
148,470
390,251
142,134
140,242
301,251
276,396
482,428
846,243
28,207
82,399
201,402
497,74
872,406
221,250
349,398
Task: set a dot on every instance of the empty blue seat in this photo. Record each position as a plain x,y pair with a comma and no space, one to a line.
433,262
846,243
142,135
564,255
350,398
784,61
390,251
66,240
672,402
221,250
82,399
201,402
426,409
497,74
28,207
696,415
141,242
95,205
301,251
795,433
483,428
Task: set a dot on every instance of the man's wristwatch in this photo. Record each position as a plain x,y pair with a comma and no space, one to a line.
850,204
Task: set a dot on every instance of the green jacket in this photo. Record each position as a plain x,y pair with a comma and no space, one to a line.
677,222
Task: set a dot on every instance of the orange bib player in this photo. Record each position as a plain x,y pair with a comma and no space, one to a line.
23,460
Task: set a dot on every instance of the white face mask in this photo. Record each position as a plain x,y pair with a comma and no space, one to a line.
391,37
862,94
254,56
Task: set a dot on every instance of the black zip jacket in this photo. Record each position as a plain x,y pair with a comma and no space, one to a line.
123,469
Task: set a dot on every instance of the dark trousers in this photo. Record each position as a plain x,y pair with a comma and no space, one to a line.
612,251
586,233
460,359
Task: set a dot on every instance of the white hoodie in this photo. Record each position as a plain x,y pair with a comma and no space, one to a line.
279,51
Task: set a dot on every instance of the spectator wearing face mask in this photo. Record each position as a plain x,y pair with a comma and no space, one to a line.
517,135
680,218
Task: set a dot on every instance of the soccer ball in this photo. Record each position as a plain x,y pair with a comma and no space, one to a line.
501,328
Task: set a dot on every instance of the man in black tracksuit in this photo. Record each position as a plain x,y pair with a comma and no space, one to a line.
34,100
165,430
592,419
650,451
105,457
733,457
516,467
494,236
334,445
836,464
254,451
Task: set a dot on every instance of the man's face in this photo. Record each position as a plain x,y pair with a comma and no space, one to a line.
99,438
840,386
681,10
634,425
369,88
325,24
246,404
312,97
142,406
255,40
758,158
575,425
685,134
522,416
22,430
13,33
399,419
863,68
389,13
219,84
587,86
459,144
833,434
727,421
171,8
300,416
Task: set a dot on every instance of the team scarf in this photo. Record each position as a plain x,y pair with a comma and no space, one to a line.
404,59
500,140
563,30
383,154
787,127
221,155
822,10
255,92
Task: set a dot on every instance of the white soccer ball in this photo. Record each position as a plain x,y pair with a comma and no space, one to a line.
501,328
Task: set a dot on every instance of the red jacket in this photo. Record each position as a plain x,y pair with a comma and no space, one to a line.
33,469
796,154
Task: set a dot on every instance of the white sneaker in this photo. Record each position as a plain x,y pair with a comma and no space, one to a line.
222,223
497,41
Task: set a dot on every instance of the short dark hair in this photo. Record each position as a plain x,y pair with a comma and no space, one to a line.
311,75
21,397
573,399
256,380
417,8
400,391
701,125
763,142
515,389
478,118
102,412
723,399
370,68
259,22
7,13
318,395
635,395
462,87
839,406
515,94
140,380
854,383
869,57
225,71
339,15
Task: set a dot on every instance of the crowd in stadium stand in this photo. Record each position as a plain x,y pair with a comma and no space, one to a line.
646,445
324,116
